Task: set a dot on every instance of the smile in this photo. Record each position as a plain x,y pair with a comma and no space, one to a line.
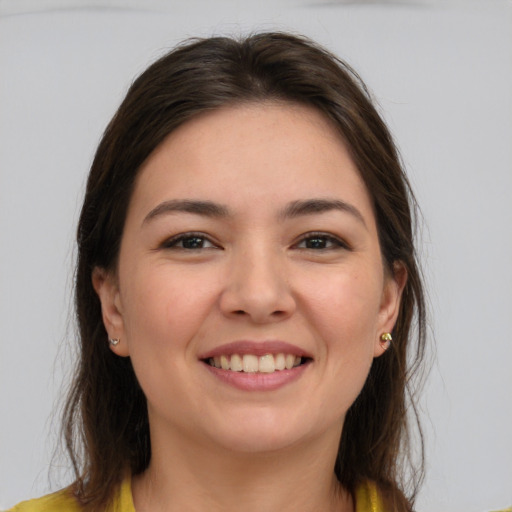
265,365
251,363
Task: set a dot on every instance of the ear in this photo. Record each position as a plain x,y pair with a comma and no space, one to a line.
394,284
106,286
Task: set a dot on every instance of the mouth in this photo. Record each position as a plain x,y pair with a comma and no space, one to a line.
253,363
261,366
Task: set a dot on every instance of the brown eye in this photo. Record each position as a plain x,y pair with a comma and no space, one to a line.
189,241
320,241
316,243
193,242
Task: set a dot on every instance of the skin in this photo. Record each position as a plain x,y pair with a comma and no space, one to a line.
316,280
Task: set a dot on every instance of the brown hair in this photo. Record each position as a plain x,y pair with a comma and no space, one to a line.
106,424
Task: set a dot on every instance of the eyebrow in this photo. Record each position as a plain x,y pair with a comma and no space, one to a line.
204,208
292,210
314,206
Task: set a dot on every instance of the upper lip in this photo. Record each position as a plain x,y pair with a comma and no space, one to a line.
257,348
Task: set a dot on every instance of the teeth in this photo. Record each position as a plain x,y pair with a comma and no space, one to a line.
280,362
235,363
224,362
267,364
250,363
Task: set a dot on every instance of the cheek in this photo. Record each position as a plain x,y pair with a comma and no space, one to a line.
344,313
344,305
164,311
164,308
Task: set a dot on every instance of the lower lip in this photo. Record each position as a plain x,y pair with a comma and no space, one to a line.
257,381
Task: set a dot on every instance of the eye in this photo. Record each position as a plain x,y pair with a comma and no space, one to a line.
189,241
320,241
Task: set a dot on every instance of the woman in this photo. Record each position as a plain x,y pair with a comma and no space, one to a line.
245,292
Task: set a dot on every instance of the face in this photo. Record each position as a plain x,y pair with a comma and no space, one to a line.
250,292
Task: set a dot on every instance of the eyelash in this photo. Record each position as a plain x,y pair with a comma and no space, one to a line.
335,242
172,243
330,242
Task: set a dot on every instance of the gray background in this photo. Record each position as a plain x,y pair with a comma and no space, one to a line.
442,74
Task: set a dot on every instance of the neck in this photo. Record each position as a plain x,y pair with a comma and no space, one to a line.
210,478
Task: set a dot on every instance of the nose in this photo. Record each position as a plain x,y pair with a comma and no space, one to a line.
257,287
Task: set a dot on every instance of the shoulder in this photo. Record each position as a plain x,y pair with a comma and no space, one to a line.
368,499
65,501
61,501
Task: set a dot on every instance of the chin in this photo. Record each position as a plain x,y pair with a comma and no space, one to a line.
260,436
260,443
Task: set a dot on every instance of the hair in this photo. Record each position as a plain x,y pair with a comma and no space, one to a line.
105,424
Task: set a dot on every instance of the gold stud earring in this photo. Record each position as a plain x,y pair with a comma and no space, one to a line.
114,341
385,340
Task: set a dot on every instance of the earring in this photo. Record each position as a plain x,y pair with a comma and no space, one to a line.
114,341
386,339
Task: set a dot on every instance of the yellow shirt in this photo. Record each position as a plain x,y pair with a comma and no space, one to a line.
367,500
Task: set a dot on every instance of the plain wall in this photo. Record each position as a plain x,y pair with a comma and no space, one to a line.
442,74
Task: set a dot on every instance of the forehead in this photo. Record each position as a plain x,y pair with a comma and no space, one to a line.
252,153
